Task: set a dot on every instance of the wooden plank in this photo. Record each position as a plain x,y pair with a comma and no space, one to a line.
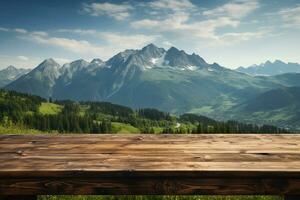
292,197
18,197
150,164
151,186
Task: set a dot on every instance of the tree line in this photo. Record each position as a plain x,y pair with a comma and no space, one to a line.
97,117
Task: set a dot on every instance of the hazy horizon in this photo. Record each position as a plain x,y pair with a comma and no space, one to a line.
232,33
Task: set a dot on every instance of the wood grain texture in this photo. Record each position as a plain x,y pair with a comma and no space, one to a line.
150,164
292,197
18,197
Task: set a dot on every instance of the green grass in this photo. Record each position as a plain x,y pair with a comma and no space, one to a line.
124,128
83,110
50,108
14,129
159,198
158,129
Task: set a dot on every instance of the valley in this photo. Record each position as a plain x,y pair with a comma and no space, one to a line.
23,113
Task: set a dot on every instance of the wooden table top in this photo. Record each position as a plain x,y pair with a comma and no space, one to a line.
134,157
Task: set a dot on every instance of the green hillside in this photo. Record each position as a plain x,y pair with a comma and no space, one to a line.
28,112
277,106
118,127
14,129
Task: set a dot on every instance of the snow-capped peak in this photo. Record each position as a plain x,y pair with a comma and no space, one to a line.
153,60
97,61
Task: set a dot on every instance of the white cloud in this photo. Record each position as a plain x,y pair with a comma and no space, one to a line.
115,39
16,30
177,24
167,43
116,11
23,58
182,24
127,41
40,33
62,61
77,46
235,37
113,42
175,5
291,16
172,22
235,9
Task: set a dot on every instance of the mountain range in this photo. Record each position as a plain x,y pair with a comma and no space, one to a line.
170,80
271,68
10,74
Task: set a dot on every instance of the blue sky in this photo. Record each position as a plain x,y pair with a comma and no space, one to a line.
231,32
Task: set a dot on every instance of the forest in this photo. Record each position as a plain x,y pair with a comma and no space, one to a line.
47,115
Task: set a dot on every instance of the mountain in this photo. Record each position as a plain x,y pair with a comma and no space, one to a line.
10,74
128,71
269,69
176,58
152,77
39,81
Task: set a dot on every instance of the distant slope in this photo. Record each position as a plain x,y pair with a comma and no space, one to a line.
10,74
271,68
288,80
279,106
274,99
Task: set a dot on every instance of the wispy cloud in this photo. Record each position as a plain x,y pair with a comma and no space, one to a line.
234,9
78,31
20,30
235,37
291,16
114,38
4,29
23,58
18,61
127,41
113,42
62,61
40,33
116,11
181,21
177,25
174,5
172,22
82,47
15,30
